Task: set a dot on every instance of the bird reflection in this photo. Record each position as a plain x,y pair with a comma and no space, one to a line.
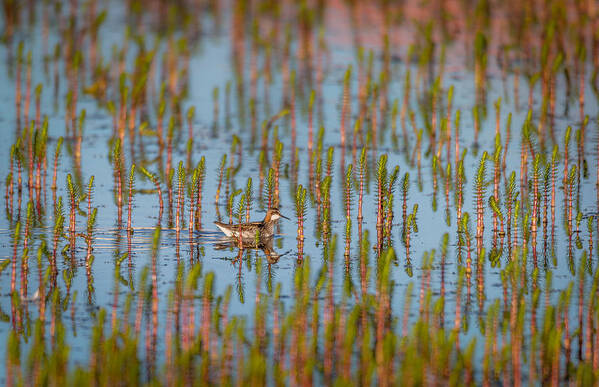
264,244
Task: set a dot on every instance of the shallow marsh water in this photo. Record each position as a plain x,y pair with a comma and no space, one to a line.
210,66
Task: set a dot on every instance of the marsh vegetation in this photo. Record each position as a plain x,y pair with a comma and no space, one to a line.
439,163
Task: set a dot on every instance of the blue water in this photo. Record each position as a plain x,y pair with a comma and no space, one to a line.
210,67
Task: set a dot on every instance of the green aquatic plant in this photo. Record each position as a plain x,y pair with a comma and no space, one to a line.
363,161
535,204
117,159
248,195
388,207
325,194
230,203
448,181
346,106
269,187
434,168
405,188
181,184
241,207
192,192
189,147
201,177
347,199
74,197
277,157
221,174
91,218
130,197
8,195
154,179
170,133
300,212
590,221
40,160
466,238
317,329
381,181
480,188
497,212
411,226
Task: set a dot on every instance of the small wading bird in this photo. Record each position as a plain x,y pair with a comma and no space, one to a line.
264,229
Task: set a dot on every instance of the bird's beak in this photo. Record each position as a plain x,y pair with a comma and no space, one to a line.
283,216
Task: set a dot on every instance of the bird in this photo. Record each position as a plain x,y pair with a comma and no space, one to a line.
251,230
